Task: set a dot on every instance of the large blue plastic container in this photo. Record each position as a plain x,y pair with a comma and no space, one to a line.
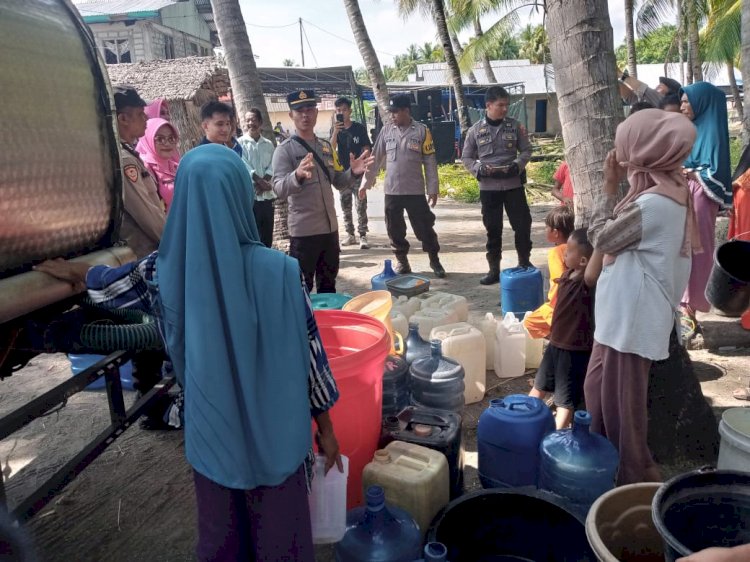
395,385
329,301
416,347
577,465
508,438
521,290
81,362
379,532
437,381
378,281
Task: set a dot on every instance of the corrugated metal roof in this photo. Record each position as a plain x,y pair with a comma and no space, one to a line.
117,7
531,75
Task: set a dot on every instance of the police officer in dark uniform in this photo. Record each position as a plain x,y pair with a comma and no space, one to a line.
496,152
406,149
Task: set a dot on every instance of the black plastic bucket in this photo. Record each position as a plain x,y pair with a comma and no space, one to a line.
503,525
701,509
728,287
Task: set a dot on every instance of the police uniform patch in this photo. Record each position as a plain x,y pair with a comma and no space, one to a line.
131,172
483,130
326,148
522,129
509,145
413,144
509,136
484,140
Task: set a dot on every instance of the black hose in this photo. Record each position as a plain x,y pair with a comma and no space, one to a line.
139,333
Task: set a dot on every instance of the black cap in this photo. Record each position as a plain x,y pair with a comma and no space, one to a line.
302,98
126,96
673,85
399,101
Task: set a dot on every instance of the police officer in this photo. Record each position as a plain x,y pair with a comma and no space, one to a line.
405,147
496,151
143,221
304,169
144,215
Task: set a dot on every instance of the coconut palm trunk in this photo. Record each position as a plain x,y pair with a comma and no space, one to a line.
630,38
460,52
680,37
369,56
694,42
736,97
485,59
247,90
438,15
583,56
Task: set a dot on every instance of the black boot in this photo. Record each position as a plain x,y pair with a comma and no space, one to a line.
402,265
493,276
437,267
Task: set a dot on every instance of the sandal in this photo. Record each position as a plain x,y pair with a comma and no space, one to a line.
742,394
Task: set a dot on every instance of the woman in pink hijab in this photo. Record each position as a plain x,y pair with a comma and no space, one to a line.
157,108
647,241
158,151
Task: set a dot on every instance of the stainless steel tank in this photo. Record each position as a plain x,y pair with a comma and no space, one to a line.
60,180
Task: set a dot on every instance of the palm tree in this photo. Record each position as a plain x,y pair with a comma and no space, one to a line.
369,56
534,44
630,38
247,90
436,9
460,53
489,74
588,102
722,41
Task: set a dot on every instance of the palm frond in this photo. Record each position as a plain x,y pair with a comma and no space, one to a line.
721,39
480,45
408,7
464,12
653,13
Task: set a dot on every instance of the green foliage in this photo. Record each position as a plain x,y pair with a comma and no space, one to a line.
542,171
534,44
656,47
457,183
735,151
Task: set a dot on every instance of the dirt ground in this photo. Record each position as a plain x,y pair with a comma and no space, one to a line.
135,502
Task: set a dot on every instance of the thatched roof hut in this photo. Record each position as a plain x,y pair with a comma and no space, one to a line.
186,84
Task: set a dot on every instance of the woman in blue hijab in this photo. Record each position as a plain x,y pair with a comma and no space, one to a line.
709,180
239,330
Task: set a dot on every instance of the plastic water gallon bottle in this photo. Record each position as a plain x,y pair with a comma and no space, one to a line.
416,347
395,386
328,502
434,552
510,347
379,281
379,532
577,464
437,381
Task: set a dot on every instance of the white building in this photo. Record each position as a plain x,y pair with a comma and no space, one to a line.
128,31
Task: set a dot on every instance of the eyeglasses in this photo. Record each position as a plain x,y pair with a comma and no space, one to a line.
165,140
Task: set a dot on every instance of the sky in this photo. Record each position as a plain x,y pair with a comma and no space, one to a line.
328,37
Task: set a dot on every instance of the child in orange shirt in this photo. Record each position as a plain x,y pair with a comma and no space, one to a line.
560,224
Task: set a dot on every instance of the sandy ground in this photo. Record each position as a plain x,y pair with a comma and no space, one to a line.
135,502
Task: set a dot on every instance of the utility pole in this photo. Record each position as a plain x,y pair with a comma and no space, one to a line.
301,44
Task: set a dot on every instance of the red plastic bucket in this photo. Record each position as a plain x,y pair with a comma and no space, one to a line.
356,345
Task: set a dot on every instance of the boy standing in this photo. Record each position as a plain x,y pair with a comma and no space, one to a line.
566,358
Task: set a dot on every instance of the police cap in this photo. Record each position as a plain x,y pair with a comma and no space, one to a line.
302,98
126,96
399,101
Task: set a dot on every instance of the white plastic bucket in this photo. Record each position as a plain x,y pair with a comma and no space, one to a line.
328,502
734,451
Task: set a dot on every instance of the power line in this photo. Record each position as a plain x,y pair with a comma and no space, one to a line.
271,26
304,31
343,38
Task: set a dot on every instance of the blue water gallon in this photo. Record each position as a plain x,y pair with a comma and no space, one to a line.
577,465
379,532
81,362
434,552
437,381
395,385
508,437
416,347
521,290
379,281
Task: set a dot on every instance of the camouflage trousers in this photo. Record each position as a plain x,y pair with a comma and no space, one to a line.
347,200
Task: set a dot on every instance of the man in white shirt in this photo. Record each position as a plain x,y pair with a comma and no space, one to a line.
257,152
